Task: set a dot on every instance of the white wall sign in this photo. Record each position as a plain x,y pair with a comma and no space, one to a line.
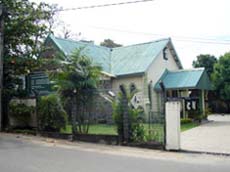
136,101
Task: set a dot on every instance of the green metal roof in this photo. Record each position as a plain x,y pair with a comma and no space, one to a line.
127,60
100,55
135,58
185,79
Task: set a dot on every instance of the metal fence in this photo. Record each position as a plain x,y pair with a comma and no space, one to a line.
94,116
156,127
104,115
143,127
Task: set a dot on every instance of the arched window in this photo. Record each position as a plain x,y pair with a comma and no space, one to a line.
132,87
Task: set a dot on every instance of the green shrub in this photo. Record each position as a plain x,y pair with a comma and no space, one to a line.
193,114
25,131
21,113
208,111
185,120
118,115
153,135
51,115
136,130
196,115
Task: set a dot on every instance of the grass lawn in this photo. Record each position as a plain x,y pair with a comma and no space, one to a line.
95,129
111,129
107,129
188,126
103,129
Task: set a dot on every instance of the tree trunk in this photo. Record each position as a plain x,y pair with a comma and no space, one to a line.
74,115
126,127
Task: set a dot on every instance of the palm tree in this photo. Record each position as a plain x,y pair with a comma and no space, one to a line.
76,80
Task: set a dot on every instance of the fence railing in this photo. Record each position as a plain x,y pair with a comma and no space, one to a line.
156,126
103,118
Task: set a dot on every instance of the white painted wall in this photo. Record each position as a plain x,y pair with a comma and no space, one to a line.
155,71
173,125
137,80
127,81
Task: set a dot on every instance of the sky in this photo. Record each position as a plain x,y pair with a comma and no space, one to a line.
194,26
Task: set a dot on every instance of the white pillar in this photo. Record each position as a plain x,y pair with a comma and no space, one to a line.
173,125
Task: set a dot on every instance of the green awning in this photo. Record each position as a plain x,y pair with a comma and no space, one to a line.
185,79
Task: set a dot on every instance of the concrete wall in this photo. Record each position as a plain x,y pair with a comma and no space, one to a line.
142,87
28,102
137,80
139,83
155,71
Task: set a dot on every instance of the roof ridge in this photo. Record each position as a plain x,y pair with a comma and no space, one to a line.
143,43
84,43
99,46
187,70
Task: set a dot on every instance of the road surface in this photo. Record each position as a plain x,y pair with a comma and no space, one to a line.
34,154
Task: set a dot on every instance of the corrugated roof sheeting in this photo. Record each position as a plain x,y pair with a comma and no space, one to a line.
135,58
99,55
117,61
185,79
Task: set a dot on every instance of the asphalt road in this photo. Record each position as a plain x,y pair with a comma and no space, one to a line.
30,154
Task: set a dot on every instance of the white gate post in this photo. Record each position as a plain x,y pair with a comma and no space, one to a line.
173,125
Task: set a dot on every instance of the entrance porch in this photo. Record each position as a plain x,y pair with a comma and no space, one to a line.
186,85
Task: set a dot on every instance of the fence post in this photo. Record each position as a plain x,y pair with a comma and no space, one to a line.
164,96
125,115
150,108
36,94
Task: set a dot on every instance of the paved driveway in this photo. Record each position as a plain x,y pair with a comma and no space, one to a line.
213,136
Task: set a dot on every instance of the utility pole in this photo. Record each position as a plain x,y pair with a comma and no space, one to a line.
1,60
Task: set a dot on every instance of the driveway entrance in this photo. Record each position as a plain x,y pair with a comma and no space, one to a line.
213,136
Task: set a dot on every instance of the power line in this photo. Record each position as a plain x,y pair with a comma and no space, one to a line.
104,5
203,42
177,38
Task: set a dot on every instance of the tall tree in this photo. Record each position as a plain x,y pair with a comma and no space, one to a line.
76,79
207,61
26,24
221,78
109,43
